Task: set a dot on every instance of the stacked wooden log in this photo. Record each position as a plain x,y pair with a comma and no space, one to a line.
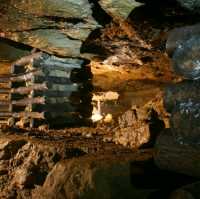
45,89
178,148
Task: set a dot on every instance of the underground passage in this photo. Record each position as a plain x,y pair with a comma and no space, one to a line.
99,99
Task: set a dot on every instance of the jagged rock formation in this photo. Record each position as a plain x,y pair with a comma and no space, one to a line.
56,27
48,166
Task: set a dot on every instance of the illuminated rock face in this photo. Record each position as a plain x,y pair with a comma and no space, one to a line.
119,9
56,27
80,9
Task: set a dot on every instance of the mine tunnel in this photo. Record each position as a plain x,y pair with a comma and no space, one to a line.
99,99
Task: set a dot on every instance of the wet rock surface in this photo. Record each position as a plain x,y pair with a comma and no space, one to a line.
182,101
186,59
180,92
178,36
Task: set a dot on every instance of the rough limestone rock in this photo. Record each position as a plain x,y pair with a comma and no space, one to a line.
133,129
51,165
119,9
181,92
182,101
186,59
56,27
185,119
79,9
25,163
178,36
177,155
86,178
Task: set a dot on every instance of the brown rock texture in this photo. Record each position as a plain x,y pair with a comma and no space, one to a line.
37,165
181,156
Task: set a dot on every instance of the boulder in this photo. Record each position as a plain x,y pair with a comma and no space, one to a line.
177,36
186,59
185,119
87,178
180,92
176,155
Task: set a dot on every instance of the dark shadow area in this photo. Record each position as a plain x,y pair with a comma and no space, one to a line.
10,50
99,14
158,17
93,45
150,177
156,126
80,100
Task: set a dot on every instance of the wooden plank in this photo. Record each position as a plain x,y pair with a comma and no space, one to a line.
24,102
25,77
4,79
28,101
4,90
35,115
28,89
5,114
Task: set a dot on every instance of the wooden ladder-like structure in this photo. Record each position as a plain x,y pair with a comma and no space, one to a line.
44,89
